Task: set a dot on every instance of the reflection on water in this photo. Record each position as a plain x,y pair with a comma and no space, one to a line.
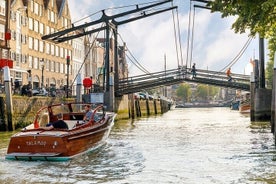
214,145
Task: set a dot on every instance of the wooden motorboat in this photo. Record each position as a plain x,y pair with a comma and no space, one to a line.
245,105
38,142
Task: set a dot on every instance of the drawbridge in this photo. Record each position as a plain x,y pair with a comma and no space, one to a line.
175,76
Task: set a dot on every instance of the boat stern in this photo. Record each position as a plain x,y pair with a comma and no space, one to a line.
36,145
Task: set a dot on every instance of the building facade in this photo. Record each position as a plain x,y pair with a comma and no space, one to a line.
38,62
41,63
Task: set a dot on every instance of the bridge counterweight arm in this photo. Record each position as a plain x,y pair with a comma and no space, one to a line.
60,36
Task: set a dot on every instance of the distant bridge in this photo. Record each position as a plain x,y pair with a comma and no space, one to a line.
179,75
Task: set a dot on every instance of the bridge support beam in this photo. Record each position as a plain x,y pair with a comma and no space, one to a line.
262,103
260,99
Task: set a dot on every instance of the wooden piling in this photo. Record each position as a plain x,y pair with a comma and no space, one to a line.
132,106
147,106
155,108
252,97
9,108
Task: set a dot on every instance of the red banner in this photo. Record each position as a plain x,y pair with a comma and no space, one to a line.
6,62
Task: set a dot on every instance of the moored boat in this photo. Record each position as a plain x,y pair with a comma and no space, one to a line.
245,106
38,142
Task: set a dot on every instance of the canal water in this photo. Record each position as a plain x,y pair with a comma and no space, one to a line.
189,146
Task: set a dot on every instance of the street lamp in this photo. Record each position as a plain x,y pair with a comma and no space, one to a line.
42,72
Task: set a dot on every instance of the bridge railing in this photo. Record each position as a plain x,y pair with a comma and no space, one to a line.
181,74
130,84
208,74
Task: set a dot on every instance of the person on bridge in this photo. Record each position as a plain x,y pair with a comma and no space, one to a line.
194,71
228,74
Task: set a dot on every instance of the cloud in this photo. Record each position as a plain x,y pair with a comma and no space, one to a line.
150,39
214,42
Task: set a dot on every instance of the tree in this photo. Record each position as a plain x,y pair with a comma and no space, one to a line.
257,16
206,92
202,92
184,92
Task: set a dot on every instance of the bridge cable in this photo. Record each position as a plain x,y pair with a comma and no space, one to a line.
86,55
179,33
236,57
175,38
138,65
240,53
188,37
192,39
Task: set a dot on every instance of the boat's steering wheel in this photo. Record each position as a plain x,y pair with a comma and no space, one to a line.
97,116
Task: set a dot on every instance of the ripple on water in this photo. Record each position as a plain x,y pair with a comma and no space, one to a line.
206,145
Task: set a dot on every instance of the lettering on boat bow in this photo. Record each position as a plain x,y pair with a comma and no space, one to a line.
36,143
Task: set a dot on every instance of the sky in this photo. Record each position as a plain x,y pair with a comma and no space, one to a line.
151,40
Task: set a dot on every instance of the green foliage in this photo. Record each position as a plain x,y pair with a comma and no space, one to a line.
206,92
257,16
202,92
184,92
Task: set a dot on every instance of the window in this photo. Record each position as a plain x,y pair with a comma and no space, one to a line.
61,68
13,55
57,49
47,30
41,46
65,22
24,21
2,8
2,31
52,50
30,61
40,10
32,6
23,58
31,26
24,39
30,43
48,14
47,64
36,44
62,21
36,63
52,16
41,28
18,57
61,52
47,48
36,26
57,67
18,75
13,35
13,16
36,8
52,66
